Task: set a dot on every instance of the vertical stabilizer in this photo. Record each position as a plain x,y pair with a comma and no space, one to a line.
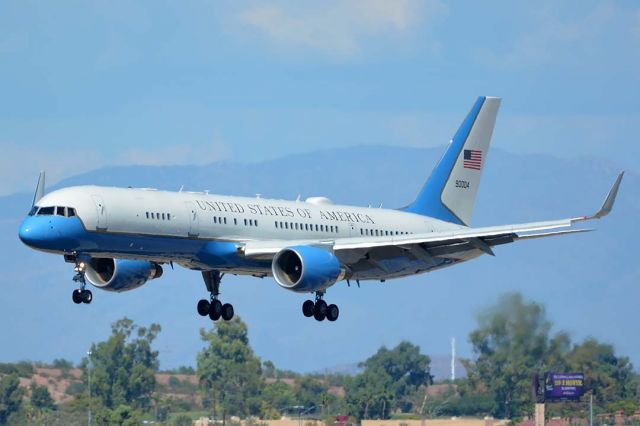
450,192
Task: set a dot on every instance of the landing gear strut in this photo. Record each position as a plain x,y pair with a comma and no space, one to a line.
213,307
319,309
81,295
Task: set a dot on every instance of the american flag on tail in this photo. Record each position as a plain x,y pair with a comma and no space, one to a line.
472,159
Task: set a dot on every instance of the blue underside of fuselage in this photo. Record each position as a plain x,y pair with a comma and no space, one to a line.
64,235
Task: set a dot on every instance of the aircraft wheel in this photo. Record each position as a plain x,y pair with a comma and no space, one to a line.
76,296
215,311
86,296
307,308
320,307
332,312
227,311
319,315
203,307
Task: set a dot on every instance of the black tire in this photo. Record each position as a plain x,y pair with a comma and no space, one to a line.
76,296
227,311
215,311
319,316
332,312
86,296
320,307
203,307
307,308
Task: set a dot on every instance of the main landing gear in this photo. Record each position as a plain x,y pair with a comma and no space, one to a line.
213,307
319,309
81,295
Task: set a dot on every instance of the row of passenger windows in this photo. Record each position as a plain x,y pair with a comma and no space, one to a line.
158,216
381,233
220,220
306,227
51,211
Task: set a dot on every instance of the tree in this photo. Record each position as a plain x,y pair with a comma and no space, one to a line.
512,342
275,398
389,379
124,366
229,371
41,398
10,397
610,377
123,415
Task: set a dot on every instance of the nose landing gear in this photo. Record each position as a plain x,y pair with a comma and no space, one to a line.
213,307
319,309
81,295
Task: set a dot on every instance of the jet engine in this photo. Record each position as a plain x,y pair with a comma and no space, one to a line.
120,274
306,269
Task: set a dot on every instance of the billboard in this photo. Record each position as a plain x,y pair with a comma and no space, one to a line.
563,386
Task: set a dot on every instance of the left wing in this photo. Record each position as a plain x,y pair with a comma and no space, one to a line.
426,246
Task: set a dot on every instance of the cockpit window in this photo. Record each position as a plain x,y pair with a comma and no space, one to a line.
46,211
49,211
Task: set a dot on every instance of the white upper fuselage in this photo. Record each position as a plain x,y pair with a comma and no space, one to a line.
207,216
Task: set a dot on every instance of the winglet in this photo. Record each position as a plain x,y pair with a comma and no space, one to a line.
607,206
39,188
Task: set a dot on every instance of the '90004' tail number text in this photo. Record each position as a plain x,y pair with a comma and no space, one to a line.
464,184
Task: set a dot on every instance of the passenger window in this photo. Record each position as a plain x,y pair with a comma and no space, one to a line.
162,216
255,222
245,222
147,213
158,216
215,219
168,216
225,220
336,229
235,221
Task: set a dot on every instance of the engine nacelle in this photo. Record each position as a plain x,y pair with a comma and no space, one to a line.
306,268
120,274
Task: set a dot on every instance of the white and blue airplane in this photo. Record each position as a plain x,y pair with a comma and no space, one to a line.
118,238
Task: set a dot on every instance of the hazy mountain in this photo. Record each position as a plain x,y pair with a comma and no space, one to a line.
590,282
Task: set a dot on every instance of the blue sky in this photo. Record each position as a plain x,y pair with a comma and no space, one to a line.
89,84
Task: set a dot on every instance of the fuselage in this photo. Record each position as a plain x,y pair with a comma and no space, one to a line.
200,230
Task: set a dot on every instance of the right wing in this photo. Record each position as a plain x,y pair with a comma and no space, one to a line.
454,245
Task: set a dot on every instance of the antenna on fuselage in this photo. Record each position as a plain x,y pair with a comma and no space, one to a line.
298,198
181,188
39,189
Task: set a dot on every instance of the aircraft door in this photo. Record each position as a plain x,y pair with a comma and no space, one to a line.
102,224
194,223
352,230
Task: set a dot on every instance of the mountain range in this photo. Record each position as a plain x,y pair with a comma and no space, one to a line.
590,283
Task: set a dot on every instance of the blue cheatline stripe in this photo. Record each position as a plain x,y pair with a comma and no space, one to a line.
429,202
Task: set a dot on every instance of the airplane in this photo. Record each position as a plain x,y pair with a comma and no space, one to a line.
119,238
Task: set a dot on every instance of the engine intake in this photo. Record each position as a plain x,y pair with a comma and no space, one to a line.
306,268
121,274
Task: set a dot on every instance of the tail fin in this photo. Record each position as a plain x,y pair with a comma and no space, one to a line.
450,191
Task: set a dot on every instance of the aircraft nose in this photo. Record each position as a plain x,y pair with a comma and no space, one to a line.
33,232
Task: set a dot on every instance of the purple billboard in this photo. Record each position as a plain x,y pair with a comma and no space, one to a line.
563,386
